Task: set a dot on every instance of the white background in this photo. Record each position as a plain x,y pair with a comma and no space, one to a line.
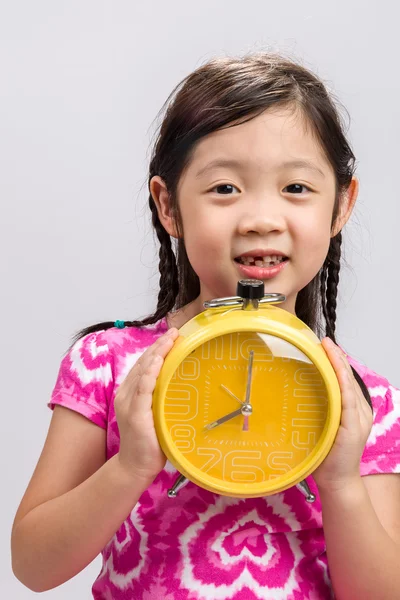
81,84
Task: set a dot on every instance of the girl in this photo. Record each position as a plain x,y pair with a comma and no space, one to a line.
251,160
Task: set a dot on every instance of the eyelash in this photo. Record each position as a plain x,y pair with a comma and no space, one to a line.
231,185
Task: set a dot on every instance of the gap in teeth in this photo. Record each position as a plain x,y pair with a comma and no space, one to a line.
261,261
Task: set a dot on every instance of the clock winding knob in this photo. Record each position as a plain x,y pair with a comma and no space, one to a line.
250,289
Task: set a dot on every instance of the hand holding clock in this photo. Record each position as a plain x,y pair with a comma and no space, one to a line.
140,454
342,465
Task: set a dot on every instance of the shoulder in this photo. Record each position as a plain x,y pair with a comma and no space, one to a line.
96,364
133,338
98,346
380,389
382,450
123,347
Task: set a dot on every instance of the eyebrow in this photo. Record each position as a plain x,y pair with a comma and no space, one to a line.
237,164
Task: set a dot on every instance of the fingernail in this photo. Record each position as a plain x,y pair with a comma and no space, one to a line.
332,343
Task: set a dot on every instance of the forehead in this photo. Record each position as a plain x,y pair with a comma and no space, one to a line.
263,143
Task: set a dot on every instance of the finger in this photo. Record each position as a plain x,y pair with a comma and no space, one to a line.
363,405
160,349
364,410
167,341
142,398
337,355
344,359
151,361
161,346
353,402
359,396
170,334
343,373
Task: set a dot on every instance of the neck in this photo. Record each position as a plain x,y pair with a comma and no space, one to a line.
181,316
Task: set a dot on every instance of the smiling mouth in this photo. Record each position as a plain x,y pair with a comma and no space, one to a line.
260,261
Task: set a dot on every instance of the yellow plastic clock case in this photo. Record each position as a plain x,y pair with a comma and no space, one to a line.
247,403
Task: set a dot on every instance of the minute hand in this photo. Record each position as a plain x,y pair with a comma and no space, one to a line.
231,415
247,404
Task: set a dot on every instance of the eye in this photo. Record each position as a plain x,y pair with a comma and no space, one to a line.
225,188
295,188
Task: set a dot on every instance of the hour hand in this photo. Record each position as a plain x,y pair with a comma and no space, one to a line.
231,415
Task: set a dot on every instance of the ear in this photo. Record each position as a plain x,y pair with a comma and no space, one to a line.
347,202
161,197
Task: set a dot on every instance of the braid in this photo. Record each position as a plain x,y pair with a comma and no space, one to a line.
329,287
169,284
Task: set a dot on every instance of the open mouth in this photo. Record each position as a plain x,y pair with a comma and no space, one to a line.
261,261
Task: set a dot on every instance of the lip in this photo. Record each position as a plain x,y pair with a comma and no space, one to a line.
259,252
254,272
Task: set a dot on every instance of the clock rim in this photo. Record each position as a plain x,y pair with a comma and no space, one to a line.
204,327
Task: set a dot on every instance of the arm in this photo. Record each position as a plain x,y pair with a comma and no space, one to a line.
363,549
360,516
74,504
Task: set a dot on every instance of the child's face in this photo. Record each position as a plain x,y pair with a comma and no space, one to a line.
259,211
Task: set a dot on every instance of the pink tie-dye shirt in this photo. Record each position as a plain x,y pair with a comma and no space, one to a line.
201,545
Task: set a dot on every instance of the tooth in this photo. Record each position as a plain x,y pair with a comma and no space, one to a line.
272,260
262,261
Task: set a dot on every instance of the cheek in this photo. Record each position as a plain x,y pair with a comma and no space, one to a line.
205,232
204,247
313,239
313,229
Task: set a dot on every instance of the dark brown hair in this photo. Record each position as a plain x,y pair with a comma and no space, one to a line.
221,93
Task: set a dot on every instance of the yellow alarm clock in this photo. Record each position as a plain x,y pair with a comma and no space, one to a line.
247,403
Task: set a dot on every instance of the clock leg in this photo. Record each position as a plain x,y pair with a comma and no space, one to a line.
180,482
305,490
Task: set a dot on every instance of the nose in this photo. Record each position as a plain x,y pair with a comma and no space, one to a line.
261,217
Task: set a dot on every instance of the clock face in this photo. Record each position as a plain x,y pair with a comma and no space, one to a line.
246,407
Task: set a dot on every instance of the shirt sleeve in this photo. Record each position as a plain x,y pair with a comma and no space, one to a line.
85,379
382,450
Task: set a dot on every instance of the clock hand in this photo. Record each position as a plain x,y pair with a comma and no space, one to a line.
231,415
232,394
249,375
246,409
247,404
